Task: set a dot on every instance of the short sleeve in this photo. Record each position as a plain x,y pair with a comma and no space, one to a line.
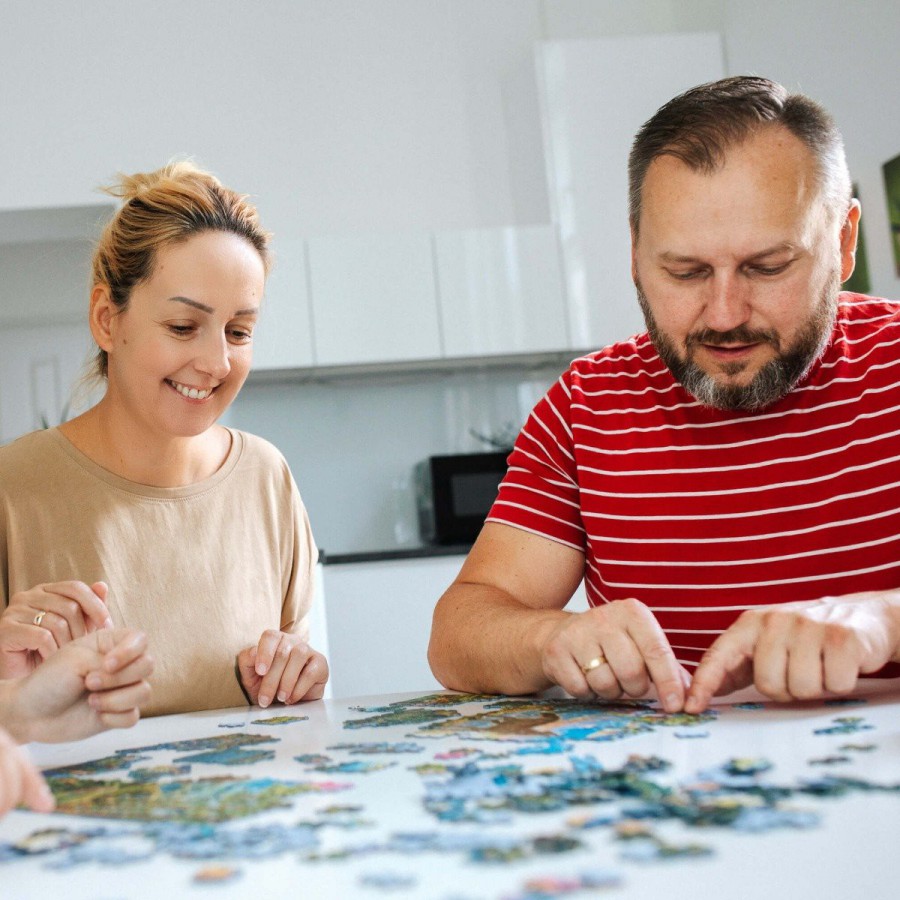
540,490
299,571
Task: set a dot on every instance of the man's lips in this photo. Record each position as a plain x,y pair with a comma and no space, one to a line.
730,351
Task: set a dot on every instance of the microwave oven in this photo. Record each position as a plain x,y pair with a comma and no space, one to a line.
454,493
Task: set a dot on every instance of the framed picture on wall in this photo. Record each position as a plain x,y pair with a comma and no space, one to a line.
891,171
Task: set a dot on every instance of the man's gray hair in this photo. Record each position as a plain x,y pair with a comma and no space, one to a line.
702,124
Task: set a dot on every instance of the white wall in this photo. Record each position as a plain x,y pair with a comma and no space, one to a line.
352,444
337,114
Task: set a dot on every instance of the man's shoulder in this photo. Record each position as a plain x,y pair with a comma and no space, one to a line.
866,323
864,310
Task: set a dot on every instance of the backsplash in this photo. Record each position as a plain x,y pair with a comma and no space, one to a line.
352,443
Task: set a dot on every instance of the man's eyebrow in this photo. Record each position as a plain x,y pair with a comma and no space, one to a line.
784,247
252,311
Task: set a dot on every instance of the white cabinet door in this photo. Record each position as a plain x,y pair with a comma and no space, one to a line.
500,291
283,338
595,95
373,298
379,623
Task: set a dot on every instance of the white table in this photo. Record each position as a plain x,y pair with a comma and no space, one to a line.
477,799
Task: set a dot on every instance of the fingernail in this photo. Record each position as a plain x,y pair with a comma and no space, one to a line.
93,681
282,696
261,668
671,703
108,623
264,701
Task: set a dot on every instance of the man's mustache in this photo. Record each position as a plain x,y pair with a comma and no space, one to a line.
740,335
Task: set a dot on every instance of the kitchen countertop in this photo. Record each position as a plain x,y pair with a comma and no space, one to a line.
420,551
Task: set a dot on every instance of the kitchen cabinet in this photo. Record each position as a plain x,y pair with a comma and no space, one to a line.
373,298
379,622
283,337
500,291
595,95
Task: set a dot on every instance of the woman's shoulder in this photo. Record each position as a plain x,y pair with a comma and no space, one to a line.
29,449
255,452
31,464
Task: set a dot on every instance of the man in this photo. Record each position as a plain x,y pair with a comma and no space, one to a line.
727,483
95,682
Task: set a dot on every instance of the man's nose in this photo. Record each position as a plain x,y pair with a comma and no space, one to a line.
728,303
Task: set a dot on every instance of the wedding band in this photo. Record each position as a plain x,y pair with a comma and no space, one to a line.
595,663
39,617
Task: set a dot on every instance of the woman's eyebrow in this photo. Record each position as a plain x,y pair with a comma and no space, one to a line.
197,305
252,311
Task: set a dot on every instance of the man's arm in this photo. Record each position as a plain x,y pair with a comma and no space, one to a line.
501,627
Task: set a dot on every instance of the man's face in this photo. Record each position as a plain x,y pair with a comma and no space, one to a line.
738,271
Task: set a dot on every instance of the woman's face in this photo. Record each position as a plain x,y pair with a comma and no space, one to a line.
181,350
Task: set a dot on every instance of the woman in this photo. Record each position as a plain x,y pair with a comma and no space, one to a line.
143,512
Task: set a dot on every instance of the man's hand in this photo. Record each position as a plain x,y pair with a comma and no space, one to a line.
20,781
800,651
37,622
95,682
282,667
615,649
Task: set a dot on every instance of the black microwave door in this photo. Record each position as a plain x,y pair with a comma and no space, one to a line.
463,495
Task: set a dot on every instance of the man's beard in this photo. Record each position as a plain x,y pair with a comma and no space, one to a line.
774,380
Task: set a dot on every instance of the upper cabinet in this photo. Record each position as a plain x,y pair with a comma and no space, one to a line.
595,95
373,298
500,291
283,336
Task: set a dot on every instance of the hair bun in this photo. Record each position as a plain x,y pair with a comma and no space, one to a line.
174,174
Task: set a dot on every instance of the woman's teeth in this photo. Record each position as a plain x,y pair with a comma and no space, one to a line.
189,392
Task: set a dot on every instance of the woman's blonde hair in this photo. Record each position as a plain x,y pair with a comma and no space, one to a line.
159,209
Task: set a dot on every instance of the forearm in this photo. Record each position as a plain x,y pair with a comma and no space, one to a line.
485,641
11,717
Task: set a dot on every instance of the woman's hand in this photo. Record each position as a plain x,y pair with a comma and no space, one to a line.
37,622
282,667
95,682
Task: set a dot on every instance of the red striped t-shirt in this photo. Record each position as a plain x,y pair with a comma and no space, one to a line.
703,513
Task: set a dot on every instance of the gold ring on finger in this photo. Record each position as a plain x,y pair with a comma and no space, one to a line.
39,617
594,663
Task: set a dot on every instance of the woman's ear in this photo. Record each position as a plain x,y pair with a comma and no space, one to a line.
102,314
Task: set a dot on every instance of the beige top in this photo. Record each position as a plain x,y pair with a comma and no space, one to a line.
203,569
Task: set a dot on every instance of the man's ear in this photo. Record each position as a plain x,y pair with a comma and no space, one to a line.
634,277
849,237
102,315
